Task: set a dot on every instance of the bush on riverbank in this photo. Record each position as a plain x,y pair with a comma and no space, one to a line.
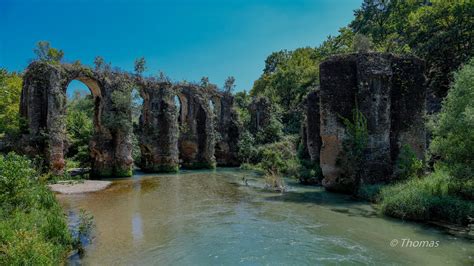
33,228
437,196
433,197
282,157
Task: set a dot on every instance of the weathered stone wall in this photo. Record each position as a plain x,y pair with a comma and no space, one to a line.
43,105
312,126
158,127
228,129
260,114
196,142
390,91
205,126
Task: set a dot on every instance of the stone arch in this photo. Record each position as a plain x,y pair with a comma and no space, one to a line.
158,130
227,129
196,136
94,89
43,103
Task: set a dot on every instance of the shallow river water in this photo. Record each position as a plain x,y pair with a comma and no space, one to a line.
212,218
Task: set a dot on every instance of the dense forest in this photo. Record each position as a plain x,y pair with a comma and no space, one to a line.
33,229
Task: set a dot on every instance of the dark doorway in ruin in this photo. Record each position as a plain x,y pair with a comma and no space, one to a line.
201,121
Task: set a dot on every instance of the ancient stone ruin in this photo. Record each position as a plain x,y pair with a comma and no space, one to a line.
260,113
181,124
390,92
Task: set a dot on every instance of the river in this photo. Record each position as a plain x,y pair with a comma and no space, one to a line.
212,218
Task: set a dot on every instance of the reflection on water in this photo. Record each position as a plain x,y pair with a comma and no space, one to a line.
209,217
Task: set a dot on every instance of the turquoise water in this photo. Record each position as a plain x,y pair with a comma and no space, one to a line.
212,218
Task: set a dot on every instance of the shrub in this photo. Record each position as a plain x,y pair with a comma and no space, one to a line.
80,129
433,197
361,43
274,181
407,164
354,145
247,151
309,172
273,132
453,127
33,229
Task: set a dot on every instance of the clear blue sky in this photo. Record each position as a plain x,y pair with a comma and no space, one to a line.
185,39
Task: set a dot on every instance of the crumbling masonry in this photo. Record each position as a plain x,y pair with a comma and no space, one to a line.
389,90
181,124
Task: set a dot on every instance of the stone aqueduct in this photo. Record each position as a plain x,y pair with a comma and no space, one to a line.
389,90
203,133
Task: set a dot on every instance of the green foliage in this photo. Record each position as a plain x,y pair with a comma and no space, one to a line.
33,229
140,65
120,119
408,164
247,150
272,161
434,197
442,34
354,145
361,43
272,132
46,53
204,82
438,31
10,92
229,85
308,172
453,127
370,192
99,63
242,100
80,128
287,78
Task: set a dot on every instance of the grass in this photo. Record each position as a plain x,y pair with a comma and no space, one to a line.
33,228
433,197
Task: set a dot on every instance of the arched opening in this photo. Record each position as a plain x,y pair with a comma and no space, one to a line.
81,115
212,107
177,103
137,110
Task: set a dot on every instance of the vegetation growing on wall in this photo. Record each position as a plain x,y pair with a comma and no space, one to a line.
354,146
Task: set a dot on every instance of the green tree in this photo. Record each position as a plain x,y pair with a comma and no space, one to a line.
79,125
439,31
229,85
442,33
287,78
204,82
10,92
99,63
453,127
140,65
247,149
361,43
242,100
354,146
45,52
